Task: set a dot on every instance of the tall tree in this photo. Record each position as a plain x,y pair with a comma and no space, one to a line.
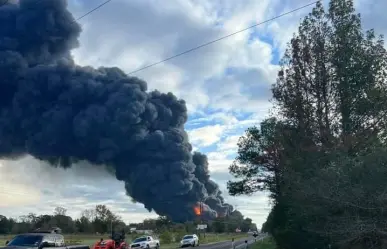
331,98
258,163
60,211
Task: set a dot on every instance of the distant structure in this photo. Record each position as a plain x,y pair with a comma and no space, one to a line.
51,230
134,230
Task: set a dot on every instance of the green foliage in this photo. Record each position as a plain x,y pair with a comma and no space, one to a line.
179,235
323,158
189,227
257,159
218,225
267,243
166,237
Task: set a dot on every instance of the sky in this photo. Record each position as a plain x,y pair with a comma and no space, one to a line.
226,86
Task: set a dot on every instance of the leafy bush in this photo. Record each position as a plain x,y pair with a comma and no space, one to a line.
179,235
166,237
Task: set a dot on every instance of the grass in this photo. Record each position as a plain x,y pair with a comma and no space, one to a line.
210,238
267,243
84,239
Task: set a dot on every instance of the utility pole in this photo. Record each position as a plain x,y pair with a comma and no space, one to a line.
111,227
201,212
204,231
201,216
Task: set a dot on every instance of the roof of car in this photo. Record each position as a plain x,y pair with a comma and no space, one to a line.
26,234
55,230
44,232
37,234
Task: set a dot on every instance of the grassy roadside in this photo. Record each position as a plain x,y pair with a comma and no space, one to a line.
267,243
83,239
210,238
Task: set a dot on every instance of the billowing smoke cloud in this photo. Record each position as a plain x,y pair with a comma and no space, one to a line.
61,113
214,198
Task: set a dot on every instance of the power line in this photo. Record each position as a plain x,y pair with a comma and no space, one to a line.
76,19
91,11
223,37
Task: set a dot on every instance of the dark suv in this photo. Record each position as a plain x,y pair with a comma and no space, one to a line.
39,240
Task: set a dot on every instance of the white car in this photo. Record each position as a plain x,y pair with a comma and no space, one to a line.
189,240
146,242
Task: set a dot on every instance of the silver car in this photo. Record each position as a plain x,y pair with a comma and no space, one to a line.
189,240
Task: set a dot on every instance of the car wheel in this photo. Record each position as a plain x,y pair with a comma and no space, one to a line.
157,246
147,246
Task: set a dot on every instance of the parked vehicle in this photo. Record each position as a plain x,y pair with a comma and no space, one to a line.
41,239
189,240
117,241
147,242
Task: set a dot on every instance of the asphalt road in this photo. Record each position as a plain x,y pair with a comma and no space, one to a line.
239,244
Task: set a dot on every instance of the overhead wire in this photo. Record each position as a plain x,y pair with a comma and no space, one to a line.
222,38
4,2
92,10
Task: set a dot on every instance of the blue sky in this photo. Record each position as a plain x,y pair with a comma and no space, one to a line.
226,87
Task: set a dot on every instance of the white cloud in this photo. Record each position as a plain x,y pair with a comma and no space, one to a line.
223,117
206,135
229,144
218,162
137,40
31,185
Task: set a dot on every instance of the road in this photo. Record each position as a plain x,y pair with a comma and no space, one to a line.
239,244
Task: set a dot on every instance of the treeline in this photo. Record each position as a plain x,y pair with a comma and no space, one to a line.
96,220
323,157
101,219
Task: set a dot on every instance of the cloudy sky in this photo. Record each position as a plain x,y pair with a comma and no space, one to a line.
226,86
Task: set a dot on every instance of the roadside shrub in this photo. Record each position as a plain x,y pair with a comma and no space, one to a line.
166,237
179,235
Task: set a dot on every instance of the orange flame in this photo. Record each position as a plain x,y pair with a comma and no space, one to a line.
197,210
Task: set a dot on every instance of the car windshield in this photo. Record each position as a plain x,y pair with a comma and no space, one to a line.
139,240
188,237
26,240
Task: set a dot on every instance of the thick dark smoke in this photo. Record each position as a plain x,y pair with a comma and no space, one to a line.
61,113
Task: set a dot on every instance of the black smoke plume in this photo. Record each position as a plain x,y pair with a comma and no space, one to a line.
62,113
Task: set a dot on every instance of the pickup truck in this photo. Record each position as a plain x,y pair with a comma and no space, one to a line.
40,240
145,242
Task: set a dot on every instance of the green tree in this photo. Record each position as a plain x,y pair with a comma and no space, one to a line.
190,227
60,211
331,100
6,225
166,237
219,225
83,225
104,219
258,160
